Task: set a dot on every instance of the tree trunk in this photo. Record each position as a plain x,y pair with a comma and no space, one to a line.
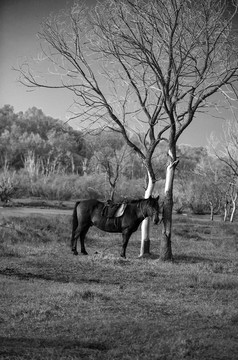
112,193
233,207
165,247
145,225
226,210
211,212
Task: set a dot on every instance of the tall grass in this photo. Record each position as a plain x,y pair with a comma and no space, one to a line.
65,187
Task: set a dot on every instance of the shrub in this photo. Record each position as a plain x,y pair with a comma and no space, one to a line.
8,185
64,187
131,189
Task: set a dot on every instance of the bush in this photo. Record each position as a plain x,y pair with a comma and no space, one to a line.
63,187
132,189
8,185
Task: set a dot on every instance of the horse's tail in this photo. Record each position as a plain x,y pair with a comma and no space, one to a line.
74,222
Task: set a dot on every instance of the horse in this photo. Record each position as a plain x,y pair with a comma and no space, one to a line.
91,212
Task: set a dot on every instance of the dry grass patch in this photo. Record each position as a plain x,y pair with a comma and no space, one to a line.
59,306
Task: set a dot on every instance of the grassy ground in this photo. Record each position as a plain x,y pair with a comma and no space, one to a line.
58,306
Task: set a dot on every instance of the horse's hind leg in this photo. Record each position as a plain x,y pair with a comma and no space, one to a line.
75,229
74,239
82,238
79,233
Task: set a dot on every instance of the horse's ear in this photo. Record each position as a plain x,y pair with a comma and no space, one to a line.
156,197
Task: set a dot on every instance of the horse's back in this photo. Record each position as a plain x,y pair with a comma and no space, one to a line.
88,203
93,211
85,208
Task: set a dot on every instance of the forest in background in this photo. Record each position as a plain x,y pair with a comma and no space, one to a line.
44,157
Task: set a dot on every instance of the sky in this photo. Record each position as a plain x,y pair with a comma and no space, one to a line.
19,23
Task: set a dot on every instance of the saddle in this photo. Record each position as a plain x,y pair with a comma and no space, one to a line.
112,210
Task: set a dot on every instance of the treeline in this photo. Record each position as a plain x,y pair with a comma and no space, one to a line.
41,156
32,137
36,142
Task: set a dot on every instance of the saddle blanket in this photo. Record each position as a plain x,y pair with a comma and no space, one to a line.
111,210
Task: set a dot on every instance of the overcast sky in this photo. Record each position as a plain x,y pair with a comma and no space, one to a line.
19,23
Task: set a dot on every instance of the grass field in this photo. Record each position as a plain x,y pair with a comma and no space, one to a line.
58,306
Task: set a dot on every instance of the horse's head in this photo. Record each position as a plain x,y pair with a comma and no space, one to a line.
153,208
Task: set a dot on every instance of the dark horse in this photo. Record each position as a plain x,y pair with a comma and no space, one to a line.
91,212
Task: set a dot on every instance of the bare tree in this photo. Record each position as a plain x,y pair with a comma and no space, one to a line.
141,67
226,150
230,201
111,155
234,196
211,185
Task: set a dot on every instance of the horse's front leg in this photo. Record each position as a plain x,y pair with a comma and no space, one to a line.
125,238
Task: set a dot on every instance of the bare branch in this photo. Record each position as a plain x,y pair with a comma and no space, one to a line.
139,67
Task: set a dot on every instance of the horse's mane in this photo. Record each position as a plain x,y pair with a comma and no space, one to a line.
131,201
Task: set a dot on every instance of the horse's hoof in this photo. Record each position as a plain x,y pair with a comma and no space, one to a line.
75,252
123,256
84,252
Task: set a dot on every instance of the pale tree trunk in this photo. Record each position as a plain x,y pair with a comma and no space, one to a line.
225,214
165,247
84,166
233,207
112,192
72,164
226,210
211,211
145,225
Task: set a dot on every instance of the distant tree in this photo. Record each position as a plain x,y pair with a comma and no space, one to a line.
134,168
7,116
210,174
226,147
33,135
110,156
197,202
231,201
186,175
11,147
226,150
8,184
148,65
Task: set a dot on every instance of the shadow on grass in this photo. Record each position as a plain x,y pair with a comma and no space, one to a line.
20,346
28,275
191,259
